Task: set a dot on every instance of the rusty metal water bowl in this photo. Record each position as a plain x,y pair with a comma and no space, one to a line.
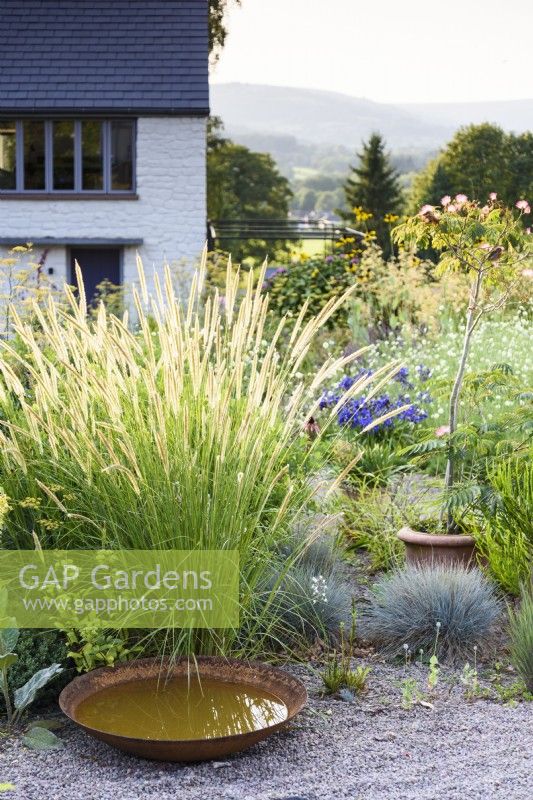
261,677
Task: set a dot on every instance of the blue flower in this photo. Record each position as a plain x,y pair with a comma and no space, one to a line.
346,383
402,378
423,372
328,400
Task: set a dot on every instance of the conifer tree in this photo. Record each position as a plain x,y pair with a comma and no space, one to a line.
373,186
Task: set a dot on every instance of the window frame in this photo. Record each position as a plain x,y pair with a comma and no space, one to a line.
78,191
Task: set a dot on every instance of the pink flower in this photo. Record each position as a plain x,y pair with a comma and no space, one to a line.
451,208
446,200
427,213
493,196
523,205
527,273
528,231
442,430
461,199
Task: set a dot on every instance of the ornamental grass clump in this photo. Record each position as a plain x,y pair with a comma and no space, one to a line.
445,608
522,637
183,434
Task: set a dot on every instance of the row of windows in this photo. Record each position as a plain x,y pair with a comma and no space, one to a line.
67,155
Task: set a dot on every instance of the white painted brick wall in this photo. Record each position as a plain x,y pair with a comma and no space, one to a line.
170,214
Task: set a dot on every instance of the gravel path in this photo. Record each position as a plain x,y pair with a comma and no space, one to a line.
369,749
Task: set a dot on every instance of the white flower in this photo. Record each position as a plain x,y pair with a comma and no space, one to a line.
318,589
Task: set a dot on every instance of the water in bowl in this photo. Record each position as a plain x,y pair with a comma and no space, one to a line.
180,708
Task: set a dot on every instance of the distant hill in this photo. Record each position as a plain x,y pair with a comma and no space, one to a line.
329,118
321,117
512,115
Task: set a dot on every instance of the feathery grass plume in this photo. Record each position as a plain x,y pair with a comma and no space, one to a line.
421,607
184,434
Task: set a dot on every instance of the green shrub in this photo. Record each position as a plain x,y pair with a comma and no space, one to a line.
377,463
418,605
372,520
314,281
373,516
522,638
36,650
506,541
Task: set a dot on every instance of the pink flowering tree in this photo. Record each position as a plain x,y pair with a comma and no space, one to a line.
489,243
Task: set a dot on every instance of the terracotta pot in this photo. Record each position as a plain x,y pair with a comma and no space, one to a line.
430,548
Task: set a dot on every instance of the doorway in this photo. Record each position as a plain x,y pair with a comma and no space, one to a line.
97,264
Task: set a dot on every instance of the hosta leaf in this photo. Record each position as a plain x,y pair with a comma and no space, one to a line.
8,639
7,660
49,724
42,739
26,694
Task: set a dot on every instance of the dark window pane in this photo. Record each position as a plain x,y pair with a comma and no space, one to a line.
64,154
8,177
122,155
33,154
91,148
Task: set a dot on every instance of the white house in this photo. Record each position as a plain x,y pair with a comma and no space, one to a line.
103,107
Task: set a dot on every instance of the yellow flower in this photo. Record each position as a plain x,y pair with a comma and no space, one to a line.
49,524
4,505
30,502
361,215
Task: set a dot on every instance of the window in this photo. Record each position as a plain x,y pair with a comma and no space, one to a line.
92,175
90,156
34,168
63,155
121,155
8,174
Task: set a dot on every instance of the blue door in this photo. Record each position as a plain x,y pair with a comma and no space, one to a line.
97,264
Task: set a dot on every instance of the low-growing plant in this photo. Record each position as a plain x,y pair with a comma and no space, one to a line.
408,606
411,693
521,626
24,695
92,647
339,675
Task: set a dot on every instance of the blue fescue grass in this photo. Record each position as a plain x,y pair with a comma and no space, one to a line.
418,605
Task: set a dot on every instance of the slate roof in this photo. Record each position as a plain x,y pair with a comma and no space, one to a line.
88,56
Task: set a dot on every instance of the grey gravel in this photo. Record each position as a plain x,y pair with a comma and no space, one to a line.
362,750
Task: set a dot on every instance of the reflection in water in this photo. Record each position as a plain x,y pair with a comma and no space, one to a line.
180,709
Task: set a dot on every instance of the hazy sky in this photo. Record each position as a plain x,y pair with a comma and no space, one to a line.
385,50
